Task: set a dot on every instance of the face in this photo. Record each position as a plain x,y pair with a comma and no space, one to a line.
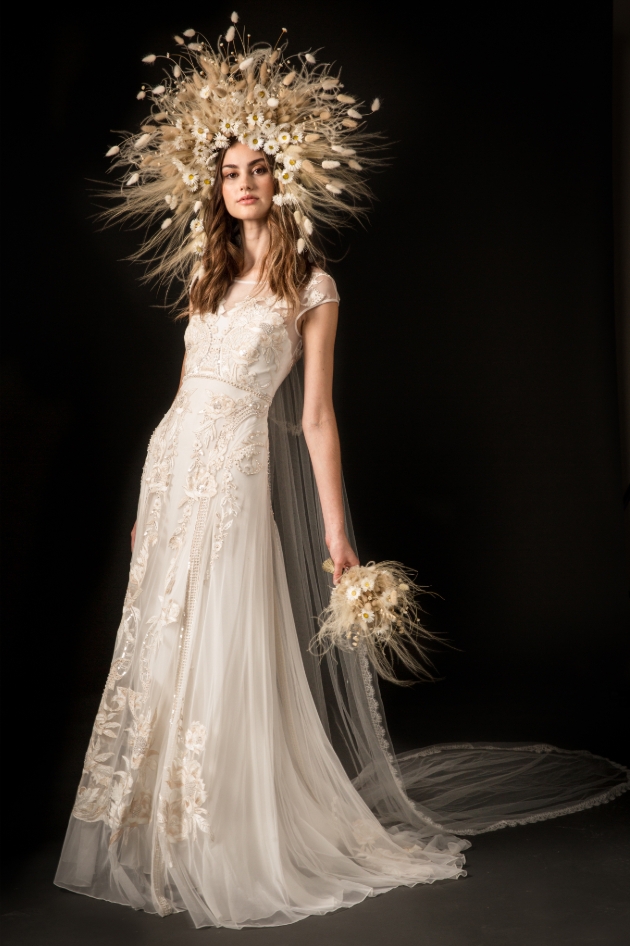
247,183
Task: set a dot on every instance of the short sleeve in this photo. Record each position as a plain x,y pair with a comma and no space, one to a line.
320,288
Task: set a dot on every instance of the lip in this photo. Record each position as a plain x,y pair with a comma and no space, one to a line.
248,199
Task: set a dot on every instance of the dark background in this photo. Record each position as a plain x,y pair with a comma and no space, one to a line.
475,388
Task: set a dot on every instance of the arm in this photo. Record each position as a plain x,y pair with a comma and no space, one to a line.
320,428
133,531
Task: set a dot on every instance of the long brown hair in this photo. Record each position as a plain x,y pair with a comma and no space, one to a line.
284,270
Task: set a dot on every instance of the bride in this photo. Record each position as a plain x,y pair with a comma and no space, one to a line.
230,773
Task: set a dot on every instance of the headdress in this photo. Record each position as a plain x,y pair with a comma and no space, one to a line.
293,109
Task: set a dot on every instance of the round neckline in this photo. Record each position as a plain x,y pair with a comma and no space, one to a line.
247,282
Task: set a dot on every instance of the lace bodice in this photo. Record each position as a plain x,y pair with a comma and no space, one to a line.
252,343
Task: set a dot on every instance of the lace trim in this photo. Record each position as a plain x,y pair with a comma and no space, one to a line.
381,736
601,799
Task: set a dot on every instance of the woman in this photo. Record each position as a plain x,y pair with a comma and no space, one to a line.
211,783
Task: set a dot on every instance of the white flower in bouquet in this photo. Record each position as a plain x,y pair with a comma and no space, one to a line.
373,611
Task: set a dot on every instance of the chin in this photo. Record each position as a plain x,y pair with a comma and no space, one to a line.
251,213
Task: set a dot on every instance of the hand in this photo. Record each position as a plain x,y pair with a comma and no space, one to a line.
133,535
342,555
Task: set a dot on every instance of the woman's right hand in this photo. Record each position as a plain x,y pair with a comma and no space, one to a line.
133,535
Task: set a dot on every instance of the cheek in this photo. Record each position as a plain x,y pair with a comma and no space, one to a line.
266,186
228,195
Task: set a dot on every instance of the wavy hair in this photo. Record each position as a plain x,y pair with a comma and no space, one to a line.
284,270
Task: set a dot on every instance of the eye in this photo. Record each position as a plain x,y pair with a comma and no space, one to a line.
260,169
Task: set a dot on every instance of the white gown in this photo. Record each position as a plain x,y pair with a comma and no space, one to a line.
210,784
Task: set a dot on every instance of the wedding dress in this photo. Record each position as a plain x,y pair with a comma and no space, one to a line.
229,773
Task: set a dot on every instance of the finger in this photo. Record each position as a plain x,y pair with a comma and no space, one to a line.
338,572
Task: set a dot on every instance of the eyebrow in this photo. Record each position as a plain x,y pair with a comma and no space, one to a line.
255,161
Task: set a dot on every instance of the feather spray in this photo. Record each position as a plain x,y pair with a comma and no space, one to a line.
204,100
375,607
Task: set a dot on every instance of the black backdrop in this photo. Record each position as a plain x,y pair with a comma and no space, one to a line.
475,376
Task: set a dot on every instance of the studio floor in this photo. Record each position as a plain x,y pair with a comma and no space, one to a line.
564,882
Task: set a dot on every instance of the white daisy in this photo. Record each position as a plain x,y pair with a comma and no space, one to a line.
260,93
367,584
205,92
221,141
271,146
207,180
199,245
278,199
229,127
196,226
292,162
284,137
297,134
366,615
191,180
268,127
284,175
256,141
353,593
254,119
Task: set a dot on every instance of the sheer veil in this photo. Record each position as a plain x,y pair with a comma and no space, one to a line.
467,788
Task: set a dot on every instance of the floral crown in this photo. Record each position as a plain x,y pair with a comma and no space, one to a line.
292,109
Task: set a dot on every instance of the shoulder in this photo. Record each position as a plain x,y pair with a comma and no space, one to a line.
320,288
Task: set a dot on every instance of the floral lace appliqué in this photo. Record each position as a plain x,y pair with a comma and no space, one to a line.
180,813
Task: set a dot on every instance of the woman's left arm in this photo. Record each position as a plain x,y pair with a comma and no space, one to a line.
320,428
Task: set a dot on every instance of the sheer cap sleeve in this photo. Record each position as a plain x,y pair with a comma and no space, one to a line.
320,288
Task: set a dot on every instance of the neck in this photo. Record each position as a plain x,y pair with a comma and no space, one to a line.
255,237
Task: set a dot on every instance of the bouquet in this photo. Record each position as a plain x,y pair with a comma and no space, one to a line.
374,607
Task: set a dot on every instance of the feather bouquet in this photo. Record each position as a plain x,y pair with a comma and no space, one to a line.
374,607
